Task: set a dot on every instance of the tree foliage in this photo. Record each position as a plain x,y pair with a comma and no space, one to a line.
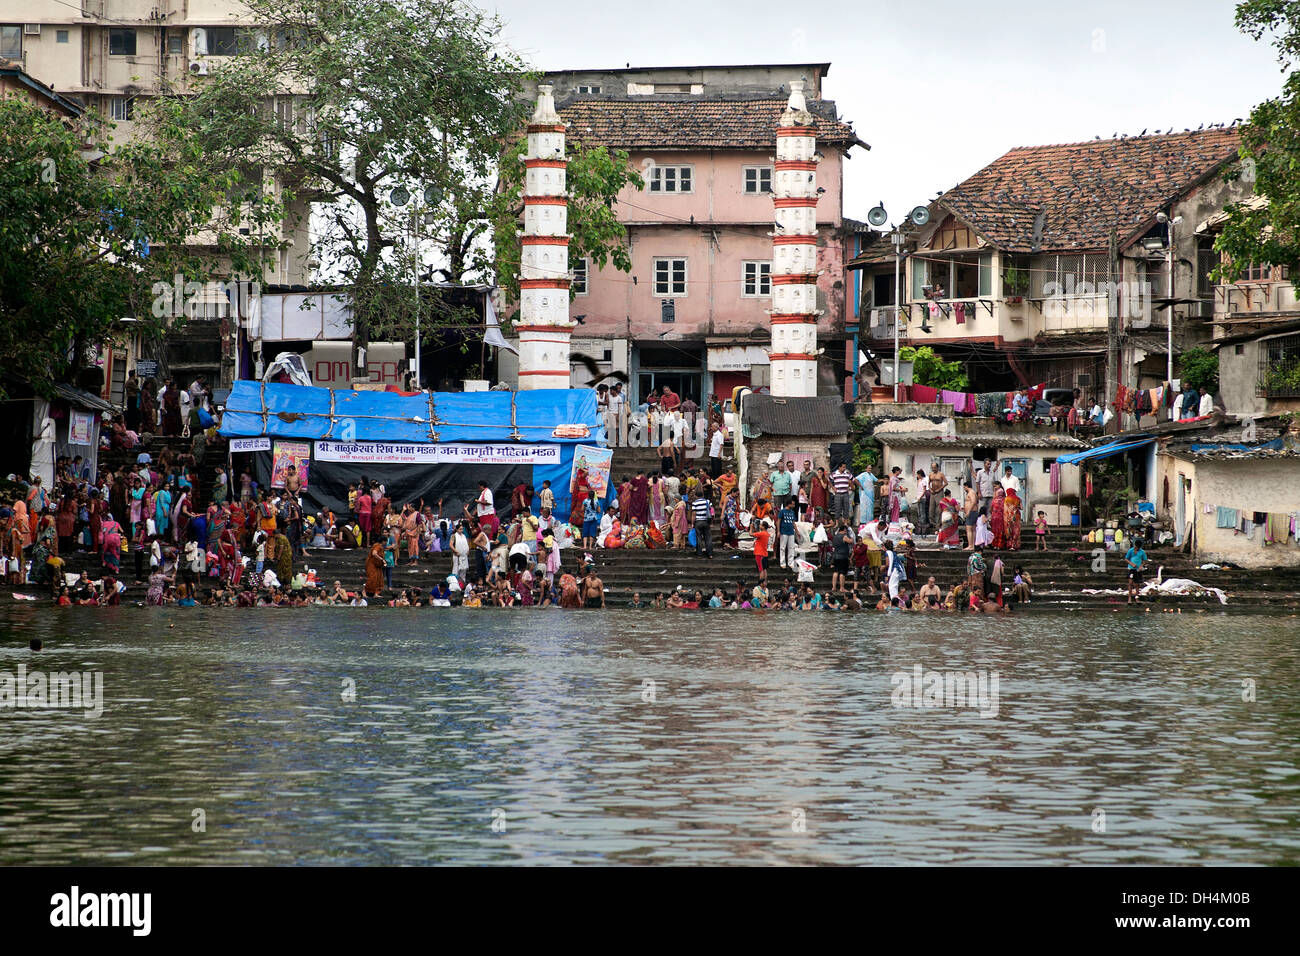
931,370
346,102
595,176
1200,366
87,234
1269,233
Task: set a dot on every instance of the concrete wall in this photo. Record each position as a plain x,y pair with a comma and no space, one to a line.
758,79
1035,492
1239,378
815,448
1248,484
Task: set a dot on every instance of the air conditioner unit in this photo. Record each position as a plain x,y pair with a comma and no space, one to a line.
199,67
32,29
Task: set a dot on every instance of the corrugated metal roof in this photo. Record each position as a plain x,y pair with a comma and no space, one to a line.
77,396
795,416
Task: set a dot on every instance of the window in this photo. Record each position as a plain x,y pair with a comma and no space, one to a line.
758,179
60,36
756,279
121,108
670,277
11,42
229,41
1206,262
175,41
589,89
1279,367
671,179
284,111
580,277
121,42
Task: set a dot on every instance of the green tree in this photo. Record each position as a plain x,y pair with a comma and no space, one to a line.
348,102
931,370
87,234
1200,366
594,178
1269,233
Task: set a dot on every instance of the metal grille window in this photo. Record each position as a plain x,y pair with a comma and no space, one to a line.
121,43
1207,260
756,279
1279,367
758,179
1068,272
580,277
671,179
121,108
670,277
11,42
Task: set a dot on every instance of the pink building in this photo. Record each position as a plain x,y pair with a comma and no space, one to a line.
693,312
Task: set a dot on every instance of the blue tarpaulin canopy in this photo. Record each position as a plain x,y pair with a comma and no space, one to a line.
297,411
1105,451
1200,447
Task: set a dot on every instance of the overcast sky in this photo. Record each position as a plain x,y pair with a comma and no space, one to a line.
939,88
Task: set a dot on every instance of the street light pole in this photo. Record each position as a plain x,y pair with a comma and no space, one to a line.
418,368
898,303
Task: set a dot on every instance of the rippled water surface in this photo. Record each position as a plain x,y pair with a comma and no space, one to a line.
755,726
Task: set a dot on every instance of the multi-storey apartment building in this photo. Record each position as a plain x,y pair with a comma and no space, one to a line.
112,56
1013,274
693,311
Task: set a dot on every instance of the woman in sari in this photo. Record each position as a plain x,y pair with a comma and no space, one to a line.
181,516
47,566
730,520
580,489
656,500
949,522
135,512
283,559
171,410
229,557
819,490
896,491
638,502
625,500
680,523
65,522
111,545
149,406
158,582
98,509
162,513
983,536
1011,534
998,516
615,537
635,537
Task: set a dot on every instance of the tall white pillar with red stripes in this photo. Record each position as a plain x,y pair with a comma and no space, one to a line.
543,325
794,252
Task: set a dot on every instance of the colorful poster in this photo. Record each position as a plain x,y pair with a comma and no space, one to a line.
596,462
402,453
296,453
79,426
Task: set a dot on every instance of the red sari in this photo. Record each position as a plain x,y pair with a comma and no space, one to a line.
998,519
581,491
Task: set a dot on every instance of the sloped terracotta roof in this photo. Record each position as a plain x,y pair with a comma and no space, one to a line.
1083,190
683,121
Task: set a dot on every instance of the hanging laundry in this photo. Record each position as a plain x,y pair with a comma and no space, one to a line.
1277,528
956,399
1054,478
1226,518
959,313
1259,517
934,310
923,393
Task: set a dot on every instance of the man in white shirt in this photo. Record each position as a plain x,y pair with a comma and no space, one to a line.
1207,403
1010,482
715,453
486,511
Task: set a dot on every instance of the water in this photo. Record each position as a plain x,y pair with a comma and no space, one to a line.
538,721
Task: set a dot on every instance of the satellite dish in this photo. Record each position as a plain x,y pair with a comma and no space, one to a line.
878,216
400,196
919,216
